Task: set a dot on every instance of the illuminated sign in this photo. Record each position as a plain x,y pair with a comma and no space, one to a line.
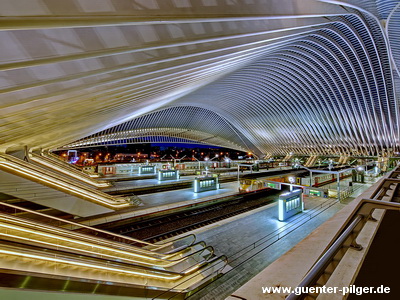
315,193
168,175
290,204
147,170
274,185
205,184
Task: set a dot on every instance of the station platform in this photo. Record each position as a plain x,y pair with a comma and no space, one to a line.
187,195
168,200
183,173
142,182
116,178
254,240
164,201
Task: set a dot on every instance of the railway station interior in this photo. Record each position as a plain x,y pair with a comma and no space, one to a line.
199,149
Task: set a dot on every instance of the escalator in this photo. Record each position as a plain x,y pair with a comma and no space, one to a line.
36,255
67,169
30,182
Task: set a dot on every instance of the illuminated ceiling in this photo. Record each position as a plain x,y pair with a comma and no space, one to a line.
268,76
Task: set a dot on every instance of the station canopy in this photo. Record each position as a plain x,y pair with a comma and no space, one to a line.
267,76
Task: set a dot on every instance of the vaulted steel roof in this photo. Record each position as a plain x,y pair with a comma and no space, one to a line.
272,77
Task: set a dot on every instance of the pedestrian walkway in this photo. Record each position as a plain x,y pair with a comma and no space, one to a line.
253,242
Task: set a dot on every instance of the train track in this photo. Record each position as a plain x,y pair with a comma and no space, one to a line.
160,228
188,184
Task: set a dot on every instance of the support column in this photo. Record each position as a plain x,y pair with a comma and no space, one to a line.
311,160
26,153
338,186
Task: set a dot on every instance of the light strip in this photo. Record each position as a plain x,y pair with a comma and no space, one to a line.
192,268
86,265
81,177
88,227
29,23
165,263
45,178
86,251
75,241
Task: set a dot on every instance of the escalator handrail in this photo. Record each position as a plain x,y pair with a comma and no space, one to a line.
77,259
63,168
14,165
78,225
357,219
151,261
95,240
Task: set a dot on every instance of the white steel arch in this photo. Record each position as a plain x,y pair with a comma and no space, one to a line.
271,77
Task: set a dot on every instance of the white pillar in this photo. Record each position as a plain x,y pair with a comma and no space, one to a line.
338,186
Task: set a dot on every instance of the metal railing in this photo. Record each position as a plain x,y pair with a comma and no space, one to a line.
245,254
187,240
346,237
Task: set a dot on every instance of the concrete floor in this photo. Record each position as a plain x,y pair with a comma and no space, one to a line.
137,182
164,201
254,240
227,239
123,185
151,200
170,197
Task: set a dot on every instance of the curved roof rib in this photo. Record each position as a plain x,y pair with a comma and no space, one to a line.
173,124
329,93
272,77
